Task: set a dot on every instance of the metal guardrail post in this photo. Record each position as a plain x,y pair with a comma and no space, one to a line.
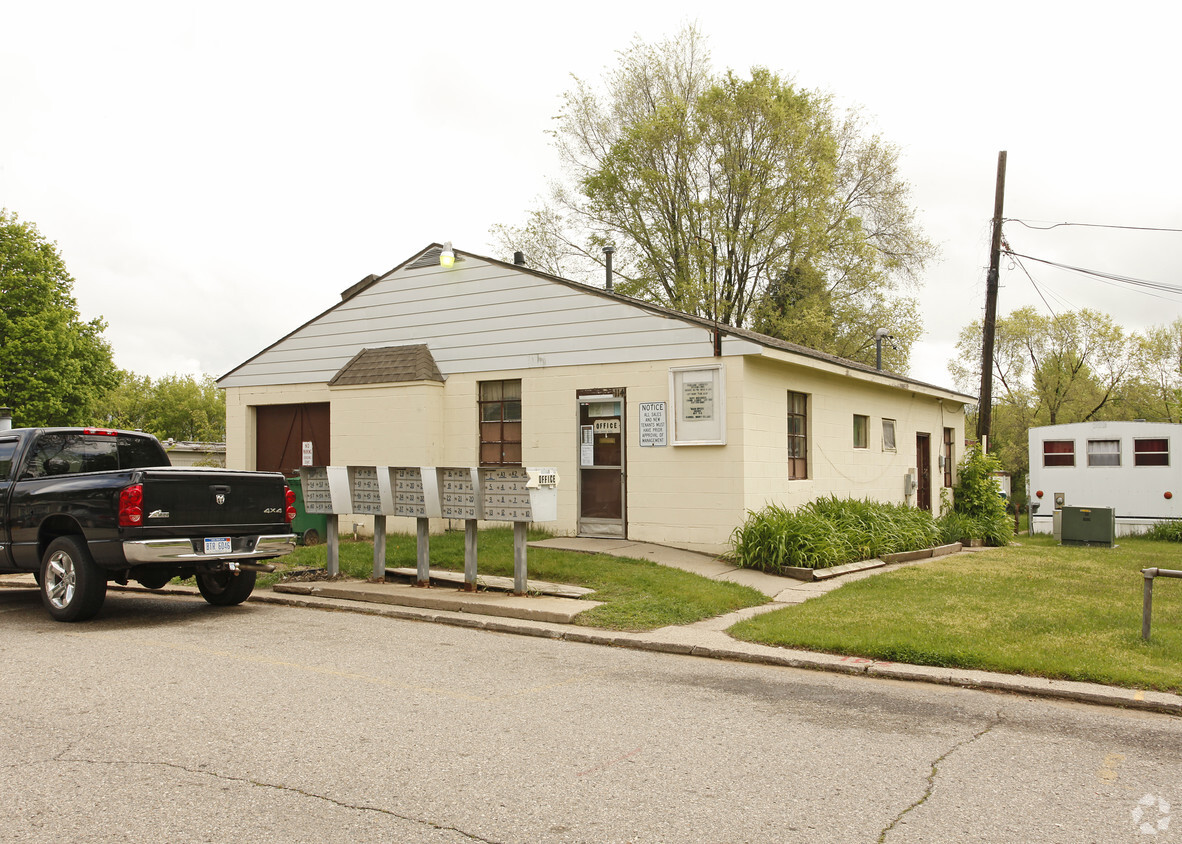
1147,600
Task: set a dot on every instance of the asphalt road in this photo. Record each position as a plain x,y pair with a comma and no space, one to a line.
166,720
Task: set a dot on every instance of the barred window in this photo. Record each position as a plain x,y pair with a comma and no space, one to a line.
500,423
949,456
798,442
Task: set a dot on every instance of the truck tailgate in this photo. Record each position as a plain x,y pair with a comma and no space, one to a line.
211,499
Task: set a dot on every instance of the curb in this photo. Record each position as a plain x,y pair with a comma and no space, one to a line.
733,650
1066,690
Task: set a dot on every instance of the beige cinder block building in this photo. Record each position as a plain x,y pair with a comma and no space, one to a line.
663,427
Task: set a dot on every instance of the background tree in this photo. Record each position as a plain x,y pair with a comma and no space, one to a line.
716,189
1075,367
182,408
54,366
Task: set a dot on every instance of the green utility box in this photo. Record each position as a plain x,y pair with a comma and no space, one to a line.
1089,526
309,528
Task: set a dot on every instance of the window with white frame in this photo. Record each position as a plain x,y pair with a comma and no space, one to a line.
1103,452
1058,452
888,435
1151,452
861,431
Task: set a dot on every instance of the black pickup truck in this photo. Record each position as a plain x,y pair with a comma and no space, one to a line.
84,506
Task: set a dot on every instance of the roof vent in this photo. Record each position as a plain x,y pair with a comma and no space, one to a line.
519,258
607,254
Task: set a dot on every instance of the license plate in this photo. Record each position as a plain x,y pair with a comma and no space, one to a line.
220,545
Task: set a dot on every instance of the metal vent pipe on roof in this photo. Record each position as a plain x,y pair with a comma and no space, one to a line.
607,252
519,259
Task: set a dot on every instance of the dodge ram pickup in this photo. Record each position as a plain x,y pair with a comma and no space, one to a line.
85,506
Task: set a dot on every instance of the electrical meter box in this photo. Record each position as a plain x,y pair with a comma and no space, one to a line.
1088,526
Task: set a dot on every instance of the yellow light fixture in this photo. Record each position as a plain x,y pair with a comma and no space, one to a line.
448,256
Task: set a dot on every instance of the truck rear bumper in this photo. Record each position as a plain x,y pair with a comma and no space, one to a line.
192,550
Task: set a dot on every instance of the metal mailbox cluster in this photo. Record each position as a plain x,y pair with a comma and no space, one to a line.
510,494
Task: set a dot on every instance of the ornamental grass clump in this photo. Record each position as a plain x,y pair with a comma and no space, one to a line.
1165,532
829,532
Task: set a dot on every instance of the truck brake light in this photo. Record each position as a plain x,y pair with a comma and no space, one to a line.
131,506
290,496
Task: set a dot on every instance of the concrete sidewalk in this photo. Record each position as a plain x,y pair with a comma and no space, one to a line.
547,612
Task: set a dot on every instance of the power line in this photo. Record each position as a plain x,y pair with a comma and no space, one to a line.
1109,277
1049,225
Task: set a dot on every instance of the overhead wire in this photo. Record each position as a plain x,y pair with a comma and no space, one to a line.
1108,278
1049,225
1007,251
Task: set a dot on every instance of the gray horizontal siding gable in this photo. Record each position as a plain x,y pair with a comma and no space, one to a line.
477,316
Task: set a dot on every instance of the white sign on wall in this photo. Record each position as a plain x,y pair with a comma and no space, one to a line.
653,427
698,394
307,455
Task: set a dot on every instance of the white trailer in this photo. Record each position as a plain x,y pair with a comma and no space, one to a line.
1127,466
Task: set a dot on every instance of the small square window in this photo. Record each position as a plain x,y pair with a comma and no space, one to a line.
1103,452
861,429
1151,452
1058,453
888,435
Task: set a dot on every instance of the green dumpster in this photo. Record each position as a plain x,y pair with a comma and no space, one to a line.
309,528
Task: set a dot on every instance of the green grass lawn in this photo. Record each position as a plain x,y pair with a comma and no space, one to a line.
1033,608
636,594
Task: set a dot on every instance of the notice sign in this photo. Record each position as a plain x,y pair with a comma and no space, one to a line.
652,424
307,455
697,400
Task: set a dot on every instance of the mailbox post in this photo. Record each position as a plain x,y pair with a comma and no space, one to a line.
459,498
326,490
520,496
416,494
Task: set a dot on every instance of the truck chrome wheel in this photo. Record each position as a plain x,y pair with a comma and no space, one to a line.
72,586
60,580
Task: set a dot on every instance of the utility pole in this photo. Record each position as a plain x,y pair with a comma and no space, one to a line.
985,408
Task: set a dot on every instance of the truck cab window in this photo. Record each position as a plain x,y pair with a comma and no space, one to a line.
60,454
140,453
7,449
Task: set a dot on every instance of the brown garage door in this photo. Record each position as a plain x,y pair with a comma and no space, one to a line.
281,431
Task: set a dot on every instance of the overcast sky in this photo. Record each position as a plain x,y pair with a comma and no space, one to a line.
215,174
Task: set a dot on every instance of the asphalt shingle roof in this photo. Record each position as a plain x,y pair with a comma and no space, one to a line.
388,365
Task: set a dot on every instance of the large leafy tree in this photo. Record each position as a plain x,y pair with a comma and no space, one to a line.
178,407
54,366
1073,367
721,192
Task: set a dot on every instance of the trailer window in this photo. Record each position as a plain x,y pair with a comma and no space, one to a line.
1103,452
1058,453
1151,452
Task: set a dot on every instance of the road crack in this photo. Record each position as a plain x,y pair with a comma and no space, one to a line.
279,787
931,786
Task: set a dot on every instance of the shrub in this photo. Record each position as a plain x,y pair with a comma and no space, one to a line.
976,496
